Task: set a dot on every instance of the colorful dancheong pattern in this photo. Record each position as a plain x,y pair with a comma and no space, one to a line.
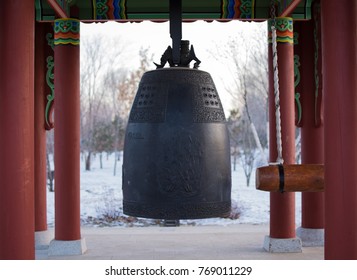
284,30
158,10
233,9
110,9
66,31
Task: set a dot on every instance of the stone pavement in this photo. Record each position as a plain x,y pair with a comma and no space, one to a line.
234,242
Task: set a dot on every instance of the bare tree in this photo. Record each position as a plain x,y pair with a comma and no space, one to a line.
234,131
243,145
113,80
50,172
97,58
247,54
123,89
246,58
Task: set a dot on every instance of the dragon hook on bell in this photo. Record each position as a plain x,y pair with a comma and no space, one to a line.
187,55
180,54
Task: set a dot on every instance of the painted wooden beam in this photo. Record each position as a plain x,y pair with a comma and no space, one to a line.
290,8
57,8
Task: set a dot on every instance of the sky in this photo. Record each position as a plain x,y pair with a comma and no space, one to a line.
206,37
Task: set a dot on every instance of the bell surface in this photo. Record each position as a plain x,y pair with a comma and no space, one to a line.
176,162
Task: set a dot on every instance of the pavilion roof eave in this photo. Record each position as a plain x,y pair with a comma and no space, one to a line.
166,20
158,11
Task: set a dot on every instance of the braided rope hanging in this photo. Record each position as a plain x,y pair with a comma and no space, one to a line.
279,177
279,144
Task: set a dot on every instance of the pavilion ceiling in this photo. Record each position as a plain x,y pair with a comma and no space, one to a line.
158,10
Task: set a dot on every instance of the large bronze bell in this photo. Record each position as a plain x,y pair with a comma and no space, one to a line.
176,152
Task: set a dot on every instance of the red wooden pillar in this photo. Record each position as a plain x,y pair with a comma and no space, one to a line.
43,54
339,52
67,137
282,205
16,130
308,55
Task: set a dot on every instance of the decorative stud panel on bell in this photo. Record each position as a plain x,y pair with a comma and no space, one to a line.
176,152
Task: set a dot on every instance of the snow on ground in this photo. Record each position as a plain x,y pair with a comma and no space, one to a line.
101,194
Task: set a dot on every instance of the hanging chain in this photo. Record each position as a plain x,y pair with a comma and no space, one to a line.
279,144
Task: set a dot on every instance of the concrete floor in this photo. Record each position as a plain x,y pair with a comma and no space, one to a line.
234,242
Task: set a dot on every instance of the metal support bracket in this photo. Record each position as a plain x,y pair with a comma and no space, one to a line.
180,54
176,29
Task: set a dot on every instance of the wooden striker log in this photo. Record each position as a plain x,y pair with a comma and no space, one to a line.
290,178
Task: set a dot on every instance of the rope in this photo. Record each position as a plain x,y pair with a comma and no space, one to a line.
279,144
